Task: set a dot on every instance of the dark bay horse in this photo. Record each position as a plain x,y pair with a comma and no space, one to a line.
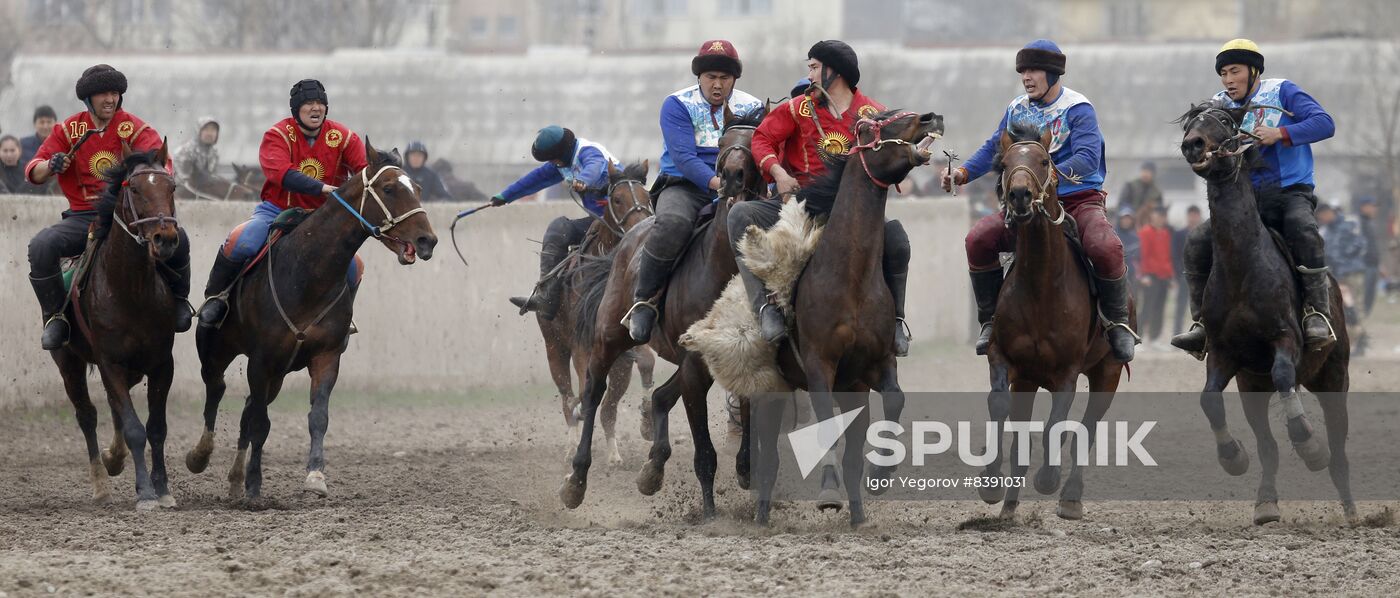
1251,315
215,188
125,314
697,280
293,310
251,177
628,204
844,309
1046,331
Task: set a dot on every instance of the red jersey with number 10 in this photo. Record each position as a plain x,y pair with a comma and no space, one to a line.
82,183
334,155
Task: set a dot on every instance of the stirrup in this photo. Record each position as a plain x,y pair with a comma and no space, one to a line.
1310,311
908,332
59,317
1110,325
199,313
649,304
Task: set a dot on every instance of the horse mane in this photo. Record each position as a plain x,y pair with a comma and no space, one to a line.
636,171
1196,109
752,119
115,177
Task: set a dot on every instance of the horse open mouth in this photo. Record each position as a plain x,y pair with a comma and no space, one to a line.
408,254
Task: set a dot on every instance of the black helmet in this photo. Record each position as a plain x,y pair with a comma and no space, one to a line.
307,90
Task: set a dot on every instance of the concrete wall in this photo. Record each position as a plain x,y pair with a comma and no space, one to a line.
434,326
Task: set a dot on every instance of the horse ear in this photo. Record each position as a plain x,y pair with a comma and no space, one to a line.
1045,138
371,155
126,150
163,153
1004,142
397,157
613,172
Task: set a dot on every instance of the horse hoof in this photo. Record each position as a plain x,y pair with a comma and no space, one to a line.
166,501
650,478
102,497
1349,511
1047,480
316,484
1008,511
1314,453
147,504
1233,458
235,489
991,494
1072,510
114,464
615,460
1266,512
196,461
571,493
858,520
830,499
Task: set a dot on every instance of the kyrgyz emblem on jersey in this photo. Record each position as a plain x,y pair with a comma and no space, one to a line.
100,162
834,144
867,111
125,129
312,168
333,138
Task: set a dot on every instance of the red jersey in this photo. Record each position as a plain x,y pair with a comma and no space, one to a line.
336,154
82,183
790,135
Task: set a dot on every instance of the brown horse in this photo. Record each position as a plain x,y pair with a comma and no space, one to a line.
1046,331
125,313
628,204
843,308
700,274
215,188
1251,313
251,177
282,332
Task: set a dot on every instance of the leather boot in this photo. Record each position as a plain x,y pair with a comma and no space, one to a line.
986,287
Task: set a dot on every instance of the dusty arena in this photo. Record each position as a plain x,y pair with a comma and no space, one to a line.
454,492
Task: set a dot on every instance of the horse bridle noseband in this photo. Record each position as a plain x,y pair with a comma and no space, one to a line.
1045,187
746,150
390,221
877,144
616,225
1231,147
160,218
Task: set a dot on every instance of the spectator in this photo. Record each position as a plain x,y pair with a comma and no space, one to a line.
198,159
1371,230
461,189
44,120
1345,255
1155,271
430,184
1132,248
1141,194
1183,299
11,168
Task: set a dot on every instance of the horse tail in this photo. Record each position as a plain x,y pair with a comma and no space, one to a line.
591,283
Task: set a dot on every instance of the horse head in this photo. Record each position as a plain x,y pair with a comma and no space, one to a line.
1212,141
738,174
140,199
1028,176
629,202
907,131
396,212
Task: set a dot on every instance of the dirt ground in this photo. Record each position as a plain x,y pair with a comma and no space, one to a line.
457,495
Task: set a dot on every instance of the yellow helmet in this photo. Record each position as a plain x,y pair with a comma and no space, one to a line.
1240,51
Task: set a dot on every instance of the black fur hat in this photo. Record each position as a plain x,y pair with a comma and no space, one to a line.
100,78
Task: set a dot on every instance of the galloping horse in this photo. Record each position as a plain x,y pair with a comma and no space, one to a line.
628,204
1251,315
1046,330
282,332
699,277
843,307
125,311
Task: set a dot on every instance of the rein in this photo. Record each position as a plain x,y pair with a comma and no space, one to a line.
616,225
390,221
877,144
1046,187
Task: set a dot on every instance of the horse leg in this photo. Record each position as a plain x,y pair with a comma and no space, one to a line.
1103,382
74,372
238,471
214,359
600,361
998,408
768,420
119,382
695,387
1334,413
1228,451
114,456
1022,405
619,379
158,390
263,386
324,369
654,470
893,398
853,456
1047,480
1256,411
743,458
1314,454
559,355
821,375
646,366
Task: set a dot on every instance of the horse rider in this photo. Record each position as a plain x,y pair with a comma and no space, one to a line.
1077,151
582,166
692,122
80,176
1282,180
305,157
792,146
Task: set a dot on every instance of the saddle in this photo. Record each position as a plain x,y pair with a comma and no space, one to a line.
285,222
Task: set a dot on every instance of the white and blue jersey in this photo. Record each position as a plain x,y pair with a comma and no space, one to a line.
691,128
1076,145
1288,162
590,165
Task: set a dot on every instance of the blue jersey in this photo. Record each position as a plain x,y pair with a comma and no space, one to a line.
1288,162
691,128
1076,145
590,165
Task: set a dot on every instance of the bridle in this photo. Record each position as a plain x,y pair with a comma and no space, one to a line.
1045,187
381,231
615,226
878,143
747,150
1233,146
160,218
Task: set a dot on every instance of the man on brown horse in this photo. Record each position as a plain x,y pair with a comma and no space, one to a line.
304,157
1077,149
582,166
792,146
692,122
79,153
1286,122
